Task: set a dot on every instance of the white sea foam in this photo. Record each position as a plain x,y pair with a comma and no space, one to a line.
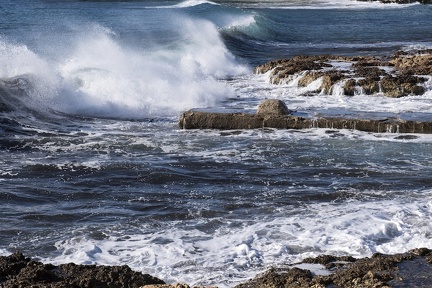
258,87
239,249
239,22
191,3
107,77
17,60
184,4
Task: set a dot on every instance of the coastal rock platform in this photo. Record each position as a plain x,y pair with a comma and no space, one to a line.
403,74
410,269
282,118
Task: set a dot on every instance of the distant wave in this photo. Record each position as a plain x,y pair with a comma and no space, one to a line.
316,4
189,3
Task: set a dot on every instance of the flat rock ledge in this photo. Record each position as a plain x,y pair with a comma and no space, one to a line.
410,269
281,118
402,74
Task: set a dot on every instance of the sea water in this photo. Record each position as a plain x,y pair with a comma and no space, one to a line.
95,170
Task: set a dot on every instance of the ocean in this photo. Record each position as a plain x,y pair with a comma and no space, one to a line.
95,170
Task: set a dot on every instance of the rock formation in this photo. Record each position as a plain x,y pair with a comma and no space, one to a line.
402,75
17,271
273,114
411,269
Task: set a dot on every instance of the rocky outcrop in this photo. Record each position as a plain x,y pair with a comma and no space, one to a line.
18,271
401,75
411,269
274,118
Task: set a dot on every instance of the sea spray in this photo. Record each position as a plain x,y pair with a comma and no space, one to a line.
101,76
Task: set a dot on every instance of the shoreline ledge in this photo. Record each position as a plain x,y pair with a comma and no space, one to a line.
285,119
402,74
409,269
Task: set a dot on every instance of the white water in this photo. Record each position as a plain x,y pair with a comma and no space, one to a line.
259,87
94,73
350,226
99,76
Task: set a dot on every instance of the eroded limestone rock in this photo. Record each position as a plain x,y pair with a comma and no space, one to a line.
402,75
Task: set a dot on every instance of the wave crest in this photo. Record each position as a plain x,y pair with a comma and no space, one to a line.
99,76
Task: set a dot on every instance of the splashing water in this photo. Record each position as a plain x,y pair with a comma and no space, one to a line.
101,77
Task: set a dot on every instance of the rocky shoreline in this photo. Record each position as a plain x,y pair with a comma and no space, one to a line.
402,74
410,269
273,113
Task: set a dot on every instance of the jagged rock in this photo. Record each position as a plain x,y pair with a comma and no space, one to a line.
411,269
17,271
404,74
369,87
282,69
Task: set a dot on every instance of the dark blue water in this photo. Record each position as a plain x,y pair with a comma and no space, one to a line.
94,168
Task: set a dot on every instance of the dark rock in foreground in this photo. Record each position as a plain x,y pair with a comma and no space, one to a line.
411,269
227,121
17,271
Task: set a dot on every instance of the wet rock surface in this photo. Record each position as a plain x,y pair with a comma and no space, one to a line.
272,114
18,271
411,269
400,75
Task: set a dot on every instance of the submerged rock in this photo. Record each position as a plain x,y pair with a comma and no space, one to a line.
402,75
